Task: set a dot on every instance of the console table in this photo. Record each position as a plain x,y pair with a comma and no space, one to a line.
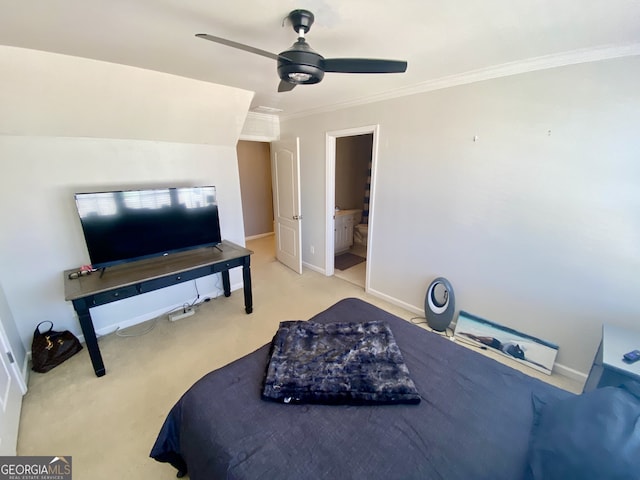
135,278
609,369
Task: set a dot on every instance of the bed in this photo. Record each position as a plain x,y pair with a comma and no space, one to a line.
473,421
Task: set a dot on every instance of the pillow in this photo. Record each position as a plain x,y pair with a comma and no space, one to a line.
595,435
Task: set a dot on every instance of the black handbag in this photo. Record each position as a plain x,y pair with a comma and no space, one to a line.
51,348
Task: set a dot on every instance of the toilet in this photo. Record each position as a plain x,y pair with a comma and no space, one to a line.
360,234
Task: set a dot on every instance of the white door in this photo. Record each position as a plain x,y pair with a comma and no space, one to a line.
285,168
10,399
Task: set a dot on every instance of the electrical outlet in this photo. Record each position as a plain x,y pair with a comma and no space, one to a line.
313,249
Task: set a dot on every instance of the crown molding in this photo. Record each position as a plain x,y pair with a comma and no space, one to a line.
260,127
261,116
534,64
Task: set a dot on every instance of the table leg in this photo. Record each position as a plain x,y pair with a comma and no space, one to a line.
91,341
226,283
246,278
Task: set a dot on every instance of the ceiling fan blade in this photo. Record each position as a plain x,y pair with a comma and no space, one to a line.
364,65
231,43
285,86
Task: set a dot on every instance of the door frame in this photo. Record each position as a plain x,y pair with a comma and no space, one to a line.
330,194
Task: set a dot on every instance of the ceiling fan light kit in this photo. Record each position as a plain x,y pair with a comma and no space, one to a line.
301,65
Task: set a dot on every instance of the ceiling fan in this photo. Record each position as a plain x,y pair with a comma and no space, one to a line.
301,65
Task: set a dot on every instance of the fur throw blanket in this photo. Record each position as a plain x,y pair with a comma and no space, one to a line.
337,363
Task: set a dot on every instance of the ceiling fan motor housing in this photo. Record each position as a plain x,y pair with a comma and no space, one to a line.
300,64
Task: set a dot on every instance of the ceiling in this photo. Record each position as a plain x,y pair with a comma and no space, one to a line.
444,41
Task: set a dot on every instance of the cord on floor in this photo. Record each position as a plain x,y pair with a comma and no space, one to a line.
447,333
154,321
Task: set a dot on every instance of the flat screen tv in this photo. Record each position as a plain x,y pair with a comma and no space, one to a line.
124,226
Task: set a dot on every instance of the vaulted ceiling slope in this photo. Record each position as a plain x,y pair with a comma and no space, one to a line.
445,42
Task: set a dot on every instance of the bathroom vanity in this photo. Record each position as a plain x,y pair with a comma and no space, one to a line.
344,223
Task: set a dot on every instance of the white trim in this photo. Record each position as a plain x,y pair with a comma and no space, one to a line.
330,208
263,110
26,371
262,127
260,235
258,138
330,189
154,314
396,302
585,55
569,373
558,368
314,268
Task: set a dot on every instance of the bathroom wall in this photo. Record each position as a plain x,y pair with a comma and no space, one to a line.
352,164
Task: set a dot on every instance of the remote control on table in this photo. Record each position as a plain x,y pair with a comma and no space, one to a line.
631,357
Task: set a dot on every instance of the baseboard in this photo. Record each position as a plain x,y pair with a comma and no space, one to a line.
106,330
261,235
26,371
569,373
395,301
314,268
558,368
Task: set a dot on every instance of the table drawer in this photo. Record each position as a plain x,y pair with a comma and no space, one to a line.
112,296
167,281
236,262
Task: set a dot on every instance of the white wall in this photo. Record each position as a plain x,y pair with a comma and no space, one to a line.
82,125
58,95
536,224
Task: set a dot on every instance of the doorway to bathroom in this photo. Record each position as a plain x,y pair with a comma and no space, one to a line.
351,158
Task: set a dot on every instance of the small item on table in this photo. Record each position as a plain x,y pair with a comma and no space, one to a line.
631,357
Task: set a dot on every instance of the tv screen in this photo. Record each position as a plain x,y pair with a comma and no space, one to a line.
123,226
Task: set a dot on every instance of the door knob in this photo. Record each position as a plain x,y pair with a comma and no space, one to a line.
297,217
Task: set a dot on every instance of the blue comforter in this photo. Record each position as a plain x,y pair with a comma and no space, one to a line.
473,422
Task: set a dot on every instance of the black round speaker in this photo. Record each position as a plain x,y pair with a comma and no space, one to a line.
439,304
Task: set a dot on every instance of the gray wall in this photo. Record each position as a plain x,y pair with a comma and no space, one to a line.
536,223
